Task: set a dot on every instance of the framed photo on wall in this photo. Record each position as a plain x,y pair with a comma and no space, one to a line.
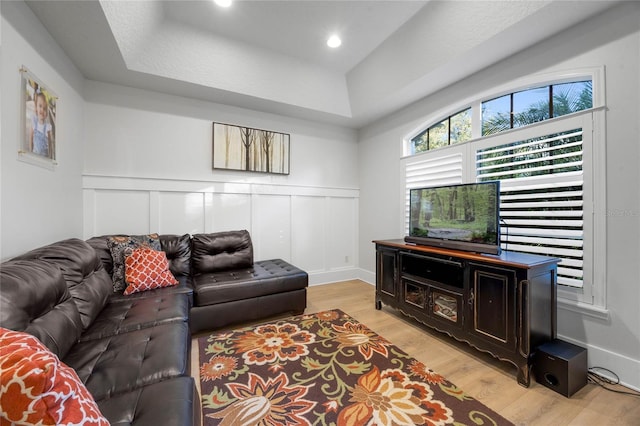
248,149
38,141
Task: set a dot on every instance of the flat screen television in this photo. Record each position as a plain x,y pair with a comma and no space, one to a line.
462,217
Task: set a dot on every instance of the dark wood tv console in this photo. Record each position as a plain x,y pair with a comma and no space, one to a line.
501,304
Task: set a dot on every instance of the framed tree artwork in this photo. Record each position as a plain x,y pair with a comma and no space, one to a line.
38,141
249,149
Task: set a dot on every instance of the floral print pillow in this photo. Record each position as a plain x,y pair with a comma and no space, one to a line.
123,246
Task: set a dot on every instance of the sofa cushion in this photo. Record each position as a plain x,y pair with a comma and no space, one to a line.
221,251
178,250
88,282
39,389
147,269
184,286
127,361
129,314
99,244
264,278
121,247
140,407
34,298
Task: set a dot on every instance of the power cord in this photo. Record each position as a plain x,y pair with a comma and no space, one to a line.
595,378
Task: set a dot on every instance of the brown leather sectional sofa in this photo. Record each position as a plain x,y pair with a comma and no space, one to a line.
133,352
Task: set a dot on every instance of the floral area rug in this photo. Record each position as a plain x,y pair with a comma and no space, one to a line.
324,369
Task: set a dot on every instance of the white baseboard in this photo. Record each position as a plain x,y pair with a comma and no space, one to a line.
627,369
367,276
328,277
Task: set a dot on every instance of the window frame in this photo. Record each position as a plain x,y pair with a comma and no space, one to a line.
590,299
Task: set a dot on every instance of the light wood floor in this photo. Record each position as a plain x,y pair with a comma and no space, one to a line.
480,375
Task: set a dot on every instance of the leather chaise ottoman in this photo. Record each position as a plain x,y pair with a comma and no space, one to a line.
229,287
267,288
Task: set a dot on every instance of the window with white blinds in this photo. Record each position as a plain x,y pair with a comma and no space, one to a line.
549,187
541,197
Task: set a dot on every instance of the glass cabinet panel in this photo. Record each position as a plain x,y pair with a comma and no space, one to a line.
415,294
445,306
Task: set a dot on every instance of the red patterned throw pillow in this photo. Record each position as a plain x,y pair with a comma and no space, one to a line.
37,388
146,269
121,247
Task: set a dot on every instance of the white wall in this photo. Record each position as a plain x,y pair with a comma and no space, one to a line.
39,205
612,40
148,168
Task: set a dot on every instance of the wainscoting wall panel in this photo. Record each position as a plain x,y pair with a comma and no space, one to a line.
309,240
340,241
230,211
181,212
272,226
124,212
312,227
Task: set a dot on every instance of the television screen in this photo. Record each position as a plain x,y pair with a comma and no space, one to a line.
464,216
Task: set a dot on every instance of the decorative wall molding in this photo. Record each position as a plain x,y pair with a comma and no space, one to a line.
184,185
315,228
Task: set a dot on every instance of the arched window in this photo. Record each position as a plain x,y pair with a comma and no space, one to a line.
530,106
508,111
453,129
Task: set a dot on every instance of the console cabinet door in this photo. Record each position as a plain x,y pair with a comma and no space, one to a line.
492,304
386,276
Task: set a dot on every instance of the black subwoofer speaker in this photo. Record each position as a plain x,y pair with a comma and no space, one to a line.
561,366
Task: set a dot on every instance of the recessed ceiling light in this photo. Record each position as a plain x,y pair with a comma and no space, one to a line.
334,41
223,3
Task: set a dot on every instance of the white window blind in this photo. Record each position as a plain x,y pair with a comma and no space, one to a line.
434,171
541,197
